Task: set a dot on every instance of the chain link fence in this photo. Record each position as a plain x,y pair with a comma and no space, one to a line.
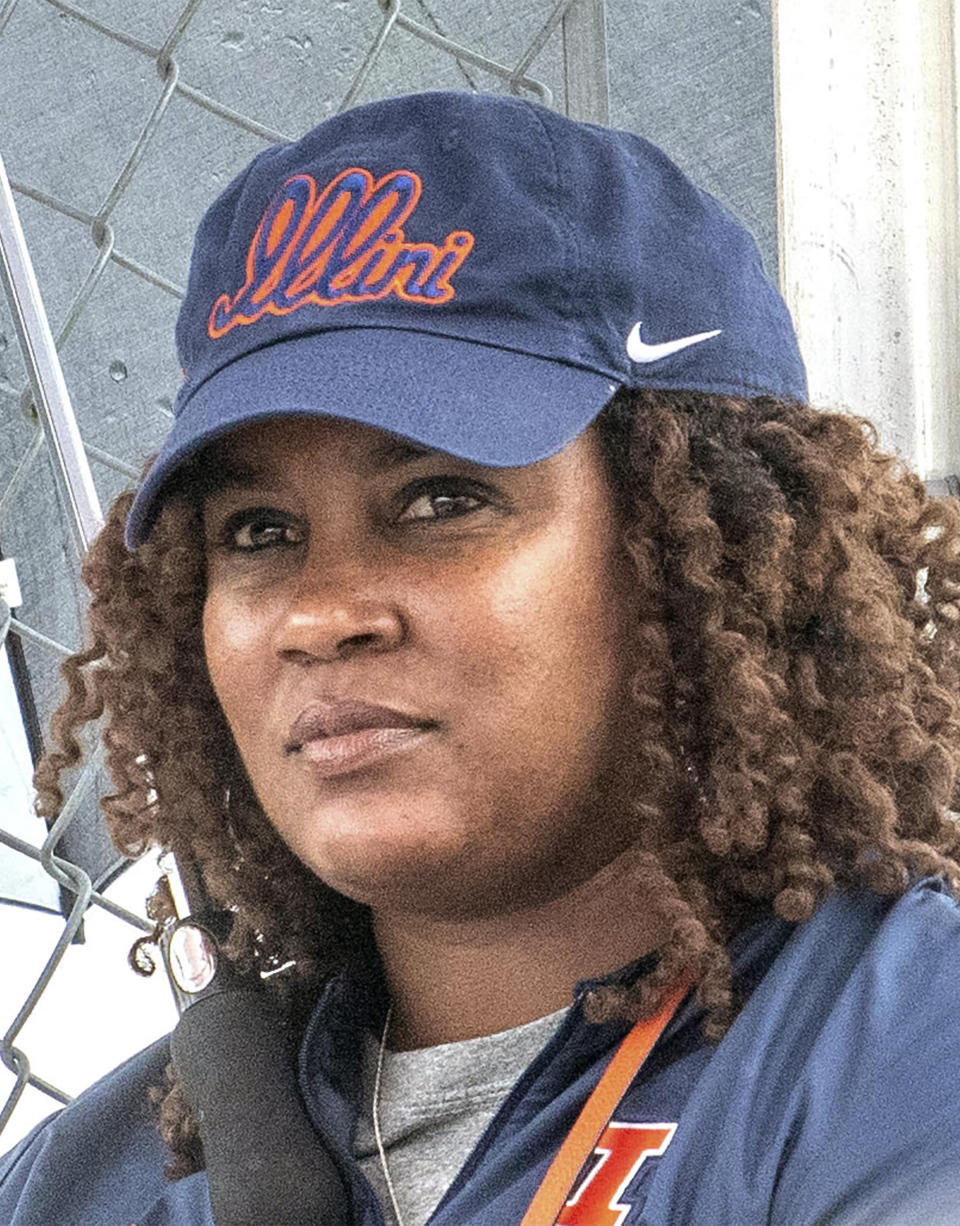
173,99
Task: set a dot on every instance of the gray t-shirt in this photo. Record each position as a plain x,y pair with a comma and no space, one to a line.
435,1103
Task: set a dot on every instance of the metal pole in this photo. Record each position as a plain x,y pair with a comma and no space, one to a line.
585,62
57,418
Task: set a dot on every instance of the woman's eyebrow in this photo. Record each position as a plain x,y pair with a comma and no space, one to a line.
219,474
396,451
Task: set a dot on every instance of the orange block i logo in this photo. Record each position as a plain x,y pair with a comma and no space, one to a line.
620,1152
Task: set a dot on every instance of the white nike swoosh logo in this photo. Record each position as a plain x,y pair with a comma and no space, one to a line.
639,351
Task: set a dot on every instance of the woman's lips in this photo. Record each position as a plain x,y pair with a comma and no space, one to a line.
334,717
329,756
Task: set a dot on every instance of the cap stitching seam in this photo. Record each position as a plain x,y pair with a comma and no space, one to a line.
563,225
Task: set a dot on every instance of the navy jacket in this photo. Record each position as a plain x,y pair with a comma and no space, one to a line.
834,1100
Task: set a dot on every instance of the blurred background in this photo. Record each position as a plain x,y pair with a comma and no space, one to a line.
833,136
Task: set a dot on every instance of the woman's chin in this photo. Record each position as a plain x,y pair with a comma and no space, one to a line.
390,868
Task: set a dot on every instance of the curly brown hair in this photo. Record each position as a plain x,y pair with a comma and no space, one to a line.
797,692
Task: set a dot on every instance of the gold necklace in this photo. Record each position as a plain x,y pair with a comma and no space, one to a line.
376,1117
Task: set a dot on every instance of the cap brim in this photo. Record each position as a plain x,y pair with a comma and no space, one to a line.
484,404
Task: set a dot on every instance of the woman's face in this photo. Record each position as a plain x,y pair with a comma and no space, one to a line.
488,609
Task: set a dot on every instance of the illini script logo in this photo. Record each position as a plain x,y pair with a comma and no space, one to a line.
343,244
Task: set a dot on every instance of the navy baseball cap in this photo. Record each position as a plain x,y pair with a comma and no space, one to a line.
476,273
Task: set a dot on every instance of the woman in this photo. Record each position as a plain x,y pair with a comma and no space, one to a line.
519,656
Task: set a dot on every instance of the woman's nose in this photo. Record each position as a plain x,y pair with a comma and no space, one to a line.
335,611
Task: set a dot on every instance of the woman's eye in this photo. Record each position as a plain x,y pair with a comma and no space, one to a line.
253,530
442,499
257,529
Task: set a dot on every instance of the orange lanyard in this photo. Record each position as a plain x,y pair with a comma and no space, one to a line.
579,1143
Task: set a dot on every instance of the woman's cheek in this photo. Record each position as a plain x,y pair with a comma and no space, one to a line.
235,638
